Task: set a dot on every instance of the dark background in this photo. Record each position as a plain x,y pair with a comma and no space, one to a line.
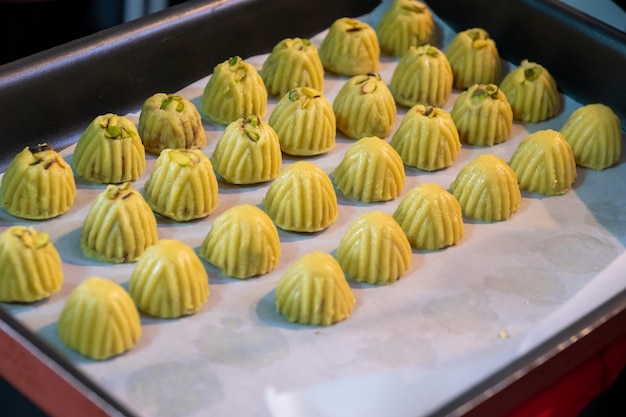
30,26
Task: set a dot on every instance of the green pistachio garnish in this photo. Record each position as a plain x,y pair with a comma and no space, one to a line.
300,44
114,191
307,94
484,91
171,97
234,65
32,239
474,35
253,136
252,120
428,111
113,132
532,73
249,125
166,102
479,38
430,51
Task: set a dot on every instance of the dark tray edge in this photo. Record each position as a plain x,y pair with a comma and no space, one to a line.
41,90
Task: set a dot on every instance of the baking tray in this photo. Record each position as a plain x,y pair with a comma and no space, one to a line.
50,97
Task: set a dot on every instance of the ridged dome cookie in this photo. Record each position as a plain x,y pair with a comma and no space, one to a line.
182,185
374,249
482,115
595,134
532,92
474,58
119,226
404,24
99,319
234,90
293,63
314,291
422,76
544,163
427,138
170,121
248,152
243,242
169,280
30,266
431,217
110,151
370,171
302,199
350,48
364,106
38,185
305,122
487,189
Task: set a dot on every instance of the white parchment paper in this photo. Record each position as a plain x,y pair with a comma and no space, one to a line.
454,318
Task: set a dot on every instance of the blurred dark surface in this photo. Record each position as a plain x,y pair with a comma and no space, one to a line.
610,403
14,404
27,27
30,27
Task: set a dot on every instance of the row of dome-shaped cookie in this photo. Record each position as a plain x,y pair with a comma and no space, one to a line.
249,152
365,105
253,136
